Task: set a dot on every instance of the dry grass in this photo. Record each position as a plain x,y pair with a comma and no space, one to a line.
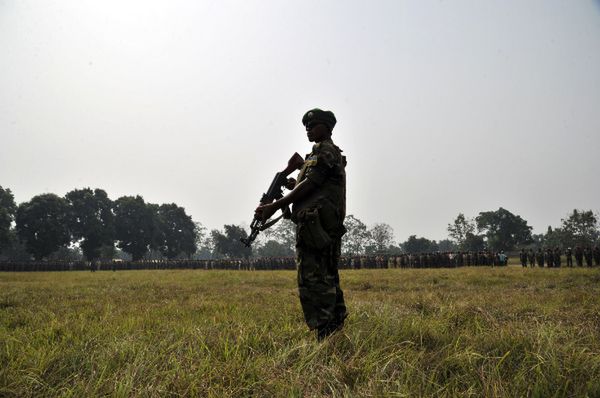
460,332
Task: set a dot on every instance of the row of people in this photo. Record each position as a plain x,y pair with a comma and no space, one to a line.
419,260
552,257
426,260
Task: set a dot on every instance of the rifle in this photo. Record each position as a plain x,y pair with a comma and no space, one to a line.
273,193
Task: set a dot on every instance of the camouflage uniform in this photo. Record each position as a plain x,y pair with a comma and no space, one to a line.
319,222
569,255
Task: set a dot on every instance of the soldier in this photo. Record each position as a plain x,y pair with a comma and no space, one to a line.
587,253
596,254
523,258
549,258
569,255
540,257
557,259
578,256
319,208
531,258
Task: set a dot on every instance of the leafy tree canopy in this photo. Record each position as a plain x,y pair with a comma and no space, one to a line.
178,231
415,245
135,225
273,248
382,237
8,208
42,224
284,233
228,244
460,229
357,236
580,228
91,220
503,229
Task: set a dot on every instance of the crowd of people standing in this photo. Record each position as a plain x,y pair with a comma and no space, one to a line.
552,257
549,257
419,260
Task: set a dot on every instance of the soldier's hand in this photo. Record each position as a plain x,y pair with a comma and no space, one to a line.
291,183
264,212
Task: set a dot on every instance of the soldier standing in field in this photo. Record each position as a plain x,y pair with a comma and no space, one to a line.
549,258
569,255
578,256
587,253
540,257
531,258
523,258
319,208
557,259
596,253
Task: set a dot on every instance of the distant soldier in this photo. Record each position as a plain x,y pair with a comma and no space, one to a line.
578,256
540,257
587,253
549,258
531,258
557,259
596,254
523,258
569,255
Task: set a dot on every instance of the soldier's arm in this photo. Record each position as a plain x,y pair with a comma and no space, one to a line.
300,191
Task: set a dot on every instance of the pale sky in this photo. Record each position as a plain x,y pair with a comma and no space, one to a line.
442,106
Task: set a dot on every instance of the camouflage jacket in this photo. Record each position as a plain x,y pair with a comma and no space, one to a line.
325,167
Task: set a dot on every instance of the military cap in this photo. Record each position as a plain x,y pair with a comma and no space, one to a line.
317,114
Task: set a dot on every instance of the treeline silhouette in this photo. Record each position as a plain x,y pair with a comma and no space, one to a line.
90,219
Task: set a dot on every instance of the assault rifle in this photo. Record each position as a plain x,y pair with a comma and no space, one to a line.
273,193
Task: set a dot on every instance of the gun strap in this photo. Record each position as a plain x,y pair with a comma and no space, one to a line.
270,223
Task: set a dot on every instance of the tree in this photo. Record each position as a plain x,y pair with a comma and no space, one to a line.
8,208
63,253
414,245
382,237
178,231
42,223
284,233
556,238
473,243
91,219
273,248
204,243
15,250
446,245
357,236
580,228
460,229
503,229
135,225
228,244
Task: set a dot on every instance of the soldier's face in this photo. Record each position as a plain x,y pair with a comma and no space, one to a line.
317,131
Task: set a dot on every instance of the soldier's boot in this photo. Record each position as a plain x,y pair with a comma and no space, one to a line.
325,331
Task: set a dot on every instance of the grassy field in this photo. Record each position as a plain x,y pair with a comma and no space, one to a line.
505,332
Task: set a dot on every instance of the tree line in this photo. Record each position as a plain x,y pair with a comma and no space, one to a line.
101,228
92,221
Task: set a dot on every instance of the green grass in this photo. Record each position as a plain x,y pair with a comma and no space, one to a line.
506,332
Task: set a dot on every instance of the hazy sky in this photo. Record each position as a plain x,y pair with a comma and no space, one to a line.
443,106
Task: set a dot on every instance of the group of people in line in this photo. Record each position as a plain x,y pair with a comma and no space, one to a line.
419,260
552,257
549,257
449,259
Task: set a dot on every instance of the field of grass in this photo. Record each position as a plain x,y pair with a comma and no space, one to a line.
494,332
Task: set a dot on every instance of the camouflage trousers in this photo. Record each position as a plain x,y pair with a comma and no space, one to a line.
321,297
